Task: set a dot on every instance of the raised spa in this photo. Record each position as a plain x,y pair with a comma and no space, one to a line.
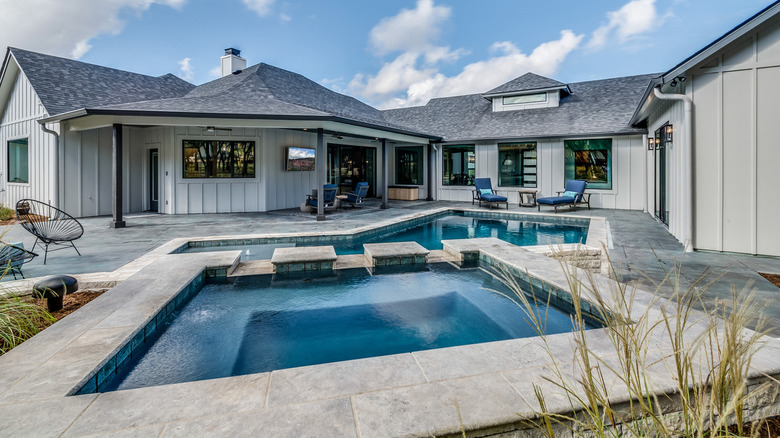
263,323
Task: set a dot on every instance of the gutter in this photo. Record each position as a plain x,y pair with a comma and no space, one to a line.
687,165
55,166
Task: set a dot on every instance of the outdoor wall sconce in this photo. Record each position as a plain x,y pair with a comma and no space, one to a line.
650,143
668,133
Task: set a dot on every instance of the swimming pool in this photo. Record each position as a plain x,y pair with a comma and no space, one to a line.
263,323
518,230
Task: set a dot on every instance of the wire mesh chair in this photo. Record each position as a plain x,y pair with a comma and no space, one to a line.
49,225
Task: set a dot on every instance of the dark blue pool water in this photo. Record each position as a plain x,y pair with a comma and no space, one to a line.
430,234
262,323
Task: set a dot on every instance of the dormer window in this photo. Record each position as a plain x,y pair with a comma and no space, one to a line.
525,98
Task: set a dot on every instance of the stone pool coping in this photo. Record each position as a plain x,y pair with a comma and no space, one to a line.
483,387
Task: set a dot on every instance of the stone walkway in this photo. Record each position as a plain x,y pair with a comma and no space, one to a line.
635,238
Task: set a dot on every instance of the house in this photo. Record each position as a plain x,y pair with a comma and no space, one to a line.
692,146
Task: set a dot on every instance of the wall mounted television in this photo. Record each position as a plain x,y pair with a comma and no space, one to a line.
300,159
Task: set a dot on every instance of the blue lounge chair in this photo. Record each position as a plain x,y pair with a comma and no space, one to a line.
328,197
483,192
573,195
13,256
361,190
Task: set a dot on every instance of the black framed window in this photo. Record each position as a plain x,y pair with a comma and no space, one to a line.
589,160
517,164
18,167
219,159
409,165
459,165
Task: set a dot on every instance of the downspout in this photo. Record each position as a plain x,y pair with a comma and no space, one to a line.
55,167
435,170
687,165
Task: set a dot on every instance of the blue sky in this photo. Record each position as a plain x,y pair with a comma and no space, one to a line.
387,53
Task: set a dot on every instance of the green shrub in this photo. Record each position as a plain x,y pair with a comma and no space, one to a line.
6,213
19,321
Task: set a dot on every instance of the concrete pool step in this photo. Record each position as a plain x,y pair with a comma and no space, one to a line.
304,258
395,253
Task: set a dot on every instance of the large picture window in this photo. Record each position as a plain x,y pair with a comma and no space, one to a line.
17,161
517,164
458,168
219,159
409,165
589,160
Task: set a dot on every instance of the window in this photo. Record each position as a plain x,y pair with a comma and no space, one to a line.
525,98
17,161
458,168
517,164
589,160
409,165
219,159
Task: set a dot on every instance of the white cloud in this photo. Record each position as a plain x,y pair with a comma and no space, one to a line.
411,30
634,18
185,70
402,82
65,28
285,17
261,7
216,72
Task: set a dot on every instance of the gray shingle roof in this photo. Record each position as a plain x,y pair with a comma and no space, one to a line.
265,90
65,85
595,108
527,82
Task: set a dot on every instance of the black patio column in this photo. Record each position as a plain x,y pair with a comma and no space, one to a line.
431,160
116,204
321,171
384,174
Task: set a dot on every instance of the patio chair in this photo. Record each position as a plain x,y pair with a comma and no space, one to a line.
328,197
572,196
49,225
13,256
483,192
361,190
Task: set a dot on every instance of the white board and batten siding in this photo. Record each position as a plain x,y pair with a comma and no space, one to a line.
736,95
628,159
20,120
214,195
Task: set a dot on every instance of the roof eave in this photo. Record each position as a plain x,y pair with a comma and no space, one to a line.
640,113
325,118
634,131
724,40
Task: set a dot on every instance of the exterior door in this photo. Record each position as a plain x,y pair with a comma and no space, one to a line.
661,176
154,180
349,165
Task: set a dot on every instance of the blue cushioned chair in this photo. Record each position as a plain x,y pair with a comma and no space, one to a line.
328,197
573,195
483,192
13,256
361,190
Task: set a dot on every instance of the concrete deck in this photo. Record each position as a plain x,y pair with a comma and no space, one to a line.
634,235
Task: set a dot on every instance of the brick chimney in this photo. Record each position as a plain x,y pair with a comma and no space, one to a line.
232,61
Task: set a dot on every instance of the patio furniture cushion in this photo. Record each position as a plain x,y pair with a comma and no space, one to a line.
576,186
555,200
361,190
484,192
493,198
569,194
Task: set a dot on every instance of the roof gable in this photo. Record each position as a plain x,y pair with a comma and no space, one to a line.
526,82
65,85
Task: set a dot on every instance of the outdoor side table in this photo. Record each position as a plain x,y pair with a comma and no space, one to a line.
527,197
54,289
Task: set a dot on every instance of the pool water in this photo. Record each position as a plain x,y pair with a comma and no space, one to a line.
431,233
263,323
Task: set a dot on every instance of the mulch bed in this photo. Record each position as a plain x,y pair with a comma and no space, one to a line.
770,429
773,278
